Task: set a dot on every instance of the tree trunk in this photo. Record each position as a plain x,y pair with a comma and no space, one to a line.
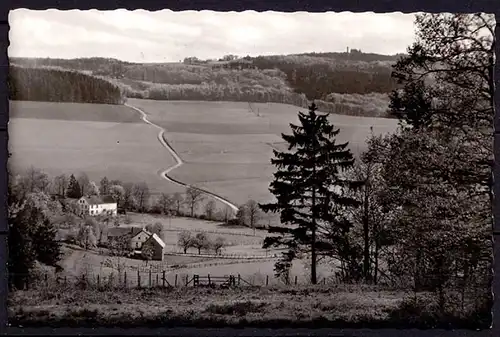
313,239
366,238
375,256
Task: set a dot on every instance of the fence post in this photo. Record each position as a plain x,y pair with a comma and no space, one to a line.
209,283
46,280
150,278
157,283
187,280
295,279
175,280
324,280
125,278
239,279
138,279
267,280
164,279
98,281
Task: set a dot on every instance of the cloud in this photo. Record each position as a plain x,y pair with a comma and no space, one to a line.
165,36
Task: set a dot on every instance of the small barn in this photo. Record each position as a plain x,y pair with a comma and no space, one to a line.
157,245
134,236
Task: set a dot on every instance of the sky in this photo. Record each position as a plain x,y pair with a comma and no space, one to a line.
167,36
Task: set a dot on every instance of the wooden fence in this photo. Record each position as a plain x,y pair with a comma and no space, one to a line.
162,280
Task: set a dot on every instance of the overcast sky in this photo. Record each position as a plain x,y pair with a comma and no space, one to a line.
166,36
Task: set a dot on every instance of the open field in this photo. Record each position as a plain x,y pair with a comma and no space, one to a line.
100,140
242,243
227,146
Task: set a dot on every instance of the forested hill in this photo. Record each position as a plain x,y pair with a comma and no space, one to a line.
60,85
353,83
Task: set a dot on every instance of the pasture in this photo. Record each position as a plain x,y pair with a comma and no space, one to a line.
100,140
227,146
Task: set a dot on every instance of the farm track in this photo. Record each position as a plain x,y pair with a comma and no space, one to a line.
179,162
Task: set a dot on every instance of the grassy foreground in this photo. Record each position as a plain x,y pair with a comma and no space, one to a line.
300,306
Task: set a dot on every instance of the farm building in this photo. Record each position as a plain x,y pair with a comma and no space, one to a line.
94,205
157,245
134,236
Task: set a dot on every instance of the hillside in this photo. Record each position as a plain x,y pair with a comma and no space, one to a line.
351,83
60,85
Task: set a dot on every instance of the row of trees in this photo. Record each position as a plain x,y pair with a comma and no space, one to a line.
416,210
59,85
201,241
129,196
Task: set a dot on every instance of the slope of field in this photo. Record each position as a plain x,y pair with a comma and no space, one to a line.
100,140
227,147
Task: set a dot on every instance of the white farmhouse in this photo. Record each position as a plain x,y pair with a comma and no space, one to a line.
94,205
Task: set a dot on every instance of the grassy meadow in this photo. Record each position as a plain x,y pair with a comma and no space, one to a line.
227,146
98,139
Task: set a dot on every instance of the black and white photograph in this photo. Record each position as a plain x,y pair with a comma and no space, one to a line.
250,169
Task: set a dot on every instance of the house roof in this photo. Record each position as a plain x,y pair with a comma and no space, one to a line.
121,231
138,230
98,200
156,238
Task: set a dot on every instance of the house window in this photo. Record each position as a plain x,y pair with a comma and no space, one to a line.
137,245
91,212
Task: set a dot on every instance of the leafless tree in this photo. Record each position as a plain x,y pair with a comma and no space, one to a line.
185,240
219,244
141,194
165,203
201,241
210,210
60,184
193,197
84,182
253,213
178,200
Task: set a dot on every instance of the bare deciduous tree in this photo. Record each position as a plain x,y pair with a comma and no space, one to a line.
193,197
84,183
165,203
185,240
178,200
60,184
253,213
141,194
219,244
210,210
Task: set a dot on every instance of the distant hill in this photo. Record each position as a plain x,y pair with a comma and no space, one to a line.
353,83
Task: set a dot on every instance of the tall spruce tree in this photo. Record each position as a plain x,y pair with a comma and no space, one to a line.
309,186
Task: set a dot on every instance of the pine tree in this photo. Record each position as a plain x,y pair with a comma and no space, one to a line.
74,190
308,186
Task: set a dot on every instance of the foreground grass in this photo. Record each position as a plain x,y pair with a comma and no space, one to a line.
306,306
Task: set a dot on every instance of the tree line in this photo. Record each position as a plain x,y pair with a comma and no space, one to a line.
415,212
60,85
292,79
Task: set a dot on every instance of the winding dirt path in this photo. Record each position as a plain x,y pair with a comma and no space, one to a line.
179,162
